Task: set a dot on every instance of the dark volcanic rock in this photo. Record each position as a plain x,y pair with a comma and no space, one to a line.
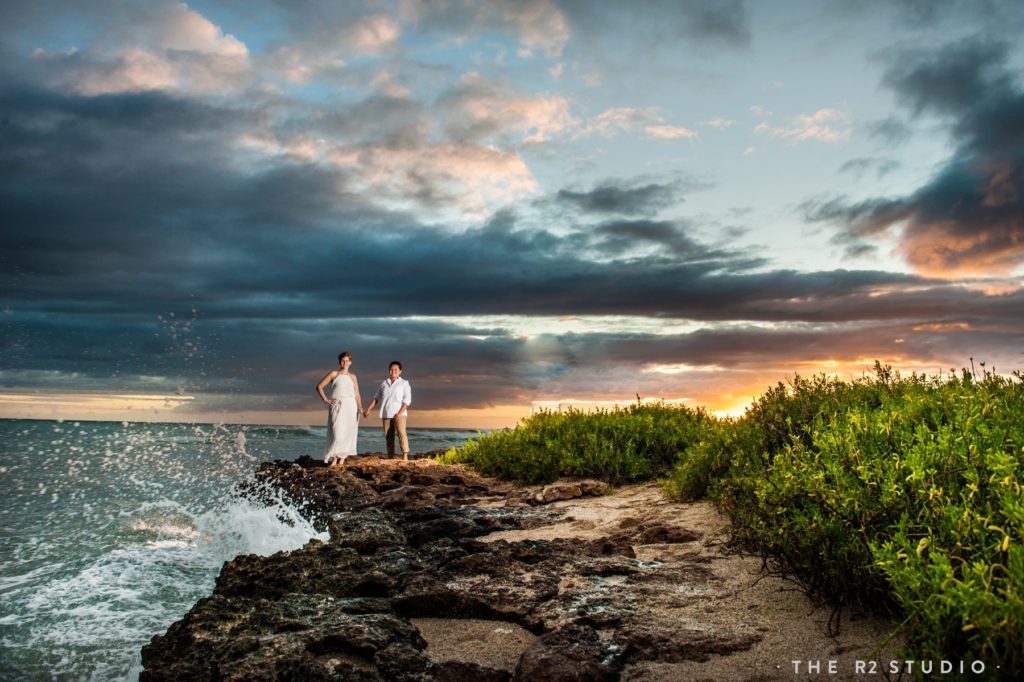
404,545
366,530
569,654
299,636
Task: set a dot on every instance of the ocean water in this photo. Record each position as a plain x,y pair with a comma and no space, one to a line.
109,532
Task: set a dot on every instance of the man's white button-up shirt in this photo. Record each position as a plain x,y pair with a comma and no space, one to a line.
391,395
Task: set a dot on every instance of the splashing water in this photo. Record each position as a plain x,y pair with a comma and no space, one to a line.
110,532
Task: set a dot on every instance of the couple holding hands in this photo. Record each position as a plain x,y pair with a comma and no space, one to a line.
394,397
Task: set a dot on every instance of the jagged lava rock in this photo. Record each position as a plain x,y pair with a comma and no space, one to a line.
404,544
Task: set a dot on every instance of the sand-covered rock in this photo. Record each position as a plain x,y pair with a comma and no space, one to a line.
568,490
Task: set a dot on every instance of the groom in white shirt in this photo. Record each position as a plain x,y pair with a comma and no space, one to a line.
394,397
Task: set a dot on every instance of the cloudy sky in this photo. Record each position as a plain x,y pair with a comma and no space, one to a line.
529,203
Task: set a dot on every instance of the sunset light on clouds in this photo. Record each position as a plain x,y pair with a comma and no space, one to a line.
531,204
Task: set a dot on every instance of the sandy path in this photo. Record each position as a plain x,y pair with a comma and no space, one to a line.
738,599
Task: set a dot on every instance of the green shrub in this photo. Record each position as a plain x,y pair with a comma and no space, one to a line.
903,494
784,415
955,557
704,462
635,443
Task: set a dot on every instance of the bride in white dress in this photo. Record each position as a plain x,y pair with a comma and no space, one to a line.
345,406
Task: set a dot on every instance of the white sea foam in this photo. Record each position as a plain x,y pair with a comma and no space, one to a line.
165,528
112,531
11,582
89,618
164,519
249,528
110,607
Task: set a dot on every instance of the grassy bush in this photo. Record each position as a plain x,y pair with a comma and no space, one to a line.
703,464
639,442
955,556
903,494
784,415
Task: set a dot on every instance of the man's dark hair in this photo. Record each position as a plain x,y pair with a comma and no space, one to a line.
395,362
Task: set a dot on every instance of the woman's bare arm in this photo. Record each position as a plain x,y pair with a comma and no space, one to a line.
323,382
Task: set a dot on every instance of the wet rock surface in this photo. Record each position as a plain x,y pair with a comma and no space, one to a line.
407,541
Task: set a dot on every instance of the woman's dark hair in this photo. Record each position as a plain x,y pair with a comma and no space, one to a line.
395,362
344,354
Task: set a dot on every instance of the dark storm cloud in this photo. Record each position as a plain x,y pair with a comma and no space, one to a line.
950,80
670,239
860,166
133,202
703,22
463,366
659,232
892,131
452,366
611,197
101,221
751,348
926,15
118,210
378,119
970,216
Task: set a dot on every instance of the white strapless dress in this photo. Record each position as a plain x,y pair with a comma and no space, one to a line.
342,419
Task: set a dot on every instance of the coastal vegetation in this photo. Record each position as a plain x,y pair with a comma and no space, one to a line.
621,445
901,494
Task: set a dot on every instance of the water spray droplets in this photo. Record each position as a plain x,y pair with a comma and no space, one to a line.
120,528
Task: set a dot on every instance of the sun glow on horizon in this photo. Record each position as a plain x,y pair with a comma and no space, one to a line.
91,405
724,392
679,368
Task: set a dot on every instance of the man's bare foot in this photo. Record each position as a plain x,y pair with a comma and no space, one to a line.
405,456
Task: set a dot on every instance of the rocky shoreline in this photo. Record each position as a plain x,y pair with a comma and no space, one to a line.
435,573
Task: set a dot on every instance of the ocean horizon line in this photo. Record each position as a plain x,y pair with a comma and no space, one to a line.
66,420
